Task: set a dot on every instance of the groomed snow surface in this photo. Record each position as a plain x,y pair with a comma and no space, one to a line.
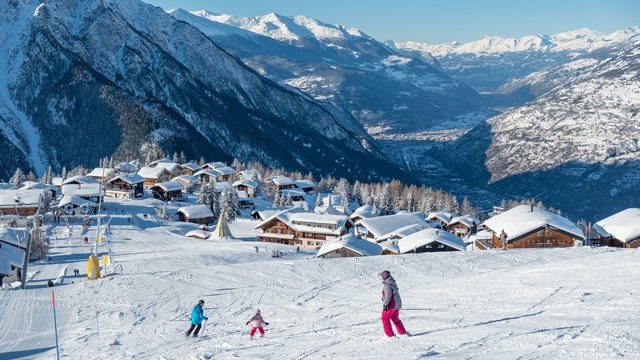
578,303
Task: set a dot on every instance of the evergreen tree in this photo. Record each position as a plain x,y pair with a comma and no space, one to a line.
384,201
175,157
31,176
229,204
209,197
18,178
64,173
182,159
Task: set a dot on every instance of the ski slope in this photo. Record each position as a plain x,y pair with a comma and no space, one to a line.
575,303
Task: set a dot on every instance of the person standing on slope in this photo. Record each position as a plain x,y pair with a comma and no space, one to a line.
391,304
257,322
197,315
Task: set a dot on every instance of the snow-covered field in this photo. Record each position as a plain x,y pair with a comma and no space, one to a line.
578,303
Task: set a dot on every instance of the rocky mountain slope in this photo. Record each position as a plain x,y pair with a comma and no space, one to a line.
577,145
84,80
385,91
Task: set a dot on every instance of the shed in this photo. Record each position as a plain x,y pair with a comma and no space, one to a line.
431,240
348,246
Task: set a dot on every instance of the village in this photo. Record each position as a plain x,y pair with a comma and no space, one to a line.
323,219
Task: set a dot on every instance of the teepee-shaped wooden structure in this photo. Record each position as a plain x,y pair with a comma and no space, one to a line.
222,229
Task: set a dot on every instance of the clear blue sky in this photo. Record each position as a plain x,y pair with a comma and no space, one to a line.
436,21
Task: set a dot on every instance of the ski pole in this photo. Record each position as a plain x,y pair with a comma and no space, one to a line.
205,324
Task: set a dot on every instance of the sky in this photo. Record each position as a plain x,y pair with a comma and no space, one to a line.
439,21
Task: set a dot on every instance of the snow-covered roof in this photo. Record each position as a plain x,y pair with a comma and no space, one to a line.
445,217
466,220
221,186
292,192
250,174
31,185
127,167
281,180
196,211
169,165
198,233
75,200
305,184
391,245
403,231
82,190
301,220
20,198
102,172
624,226
57,181
248,183
214,165
365,211
428,236
382,225
14,236
152,172
81,179
191,166
521,221
186,179
128,178
170,186
351,242
10,255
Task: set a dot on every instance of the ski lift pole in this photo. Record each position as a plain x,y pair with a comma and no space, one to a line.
55,323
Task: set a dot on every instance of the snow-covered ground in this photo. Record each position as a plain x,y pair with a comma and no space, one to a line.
577,303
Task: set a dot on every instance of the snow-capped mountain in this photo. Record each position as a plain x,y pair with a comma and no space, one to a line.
491,62
82,80
385,91
577,145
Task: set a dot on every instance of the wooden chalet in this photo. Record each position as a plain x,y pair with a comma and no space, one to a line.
167,191
217,170
281,182
102,174
174,168
79,180
91,192
462,226
527,226
199,214
246,188
348,246
382,228
296,227
305,185
12,254
431,240
363,212
125,186
154,175
442,218
189,168
620,230
20,202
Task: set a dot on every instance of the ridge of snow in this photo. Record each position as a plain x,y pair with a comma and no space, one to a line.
574,40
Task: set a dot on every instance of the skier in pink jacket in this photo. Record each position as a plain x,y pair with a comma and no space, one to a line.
257,322
391,304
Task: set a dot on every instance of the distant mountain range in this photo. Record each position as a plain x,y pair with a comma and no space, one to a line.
85,80
489,64
386,92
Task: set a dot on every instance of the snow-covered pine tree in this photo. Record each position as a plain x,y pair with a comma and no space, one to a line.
18,178
64,173
31,176
182,159
229,204
208,197
175,157
384,201
277,200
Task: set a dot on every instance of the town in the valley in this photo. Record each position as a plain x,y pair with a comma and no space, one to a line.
326,218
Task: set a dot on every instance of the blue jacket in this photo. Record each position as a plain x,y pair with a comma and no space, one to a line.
197,315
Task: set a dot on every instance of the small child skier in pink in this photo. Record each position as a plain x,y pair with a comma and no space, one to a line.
257,322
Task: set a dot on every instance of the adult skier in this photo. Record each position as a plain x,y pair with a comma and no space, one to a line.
257,322
391,304
197,315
